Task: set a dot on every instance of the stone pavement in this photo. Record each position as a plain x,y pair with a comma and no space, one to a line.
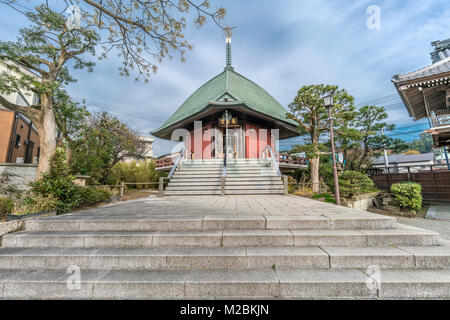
259,246
439,212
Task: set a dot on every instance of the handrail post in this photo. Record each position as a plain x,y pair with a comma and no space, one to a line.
161,187
286,185
122,187
177,162
222,185
273,161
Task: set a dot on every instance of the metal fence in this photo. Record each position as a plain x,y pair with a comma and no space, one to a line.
434,179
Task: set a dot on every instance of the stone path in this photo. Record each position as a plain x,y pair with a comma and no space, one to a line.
224,247
439,212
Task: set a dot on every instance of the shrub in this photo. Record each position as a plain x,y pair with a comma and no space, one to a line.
7,186
326,196
62,188
58,184
91,196
142,171
6,206
353,183
36,203
408,195
292,184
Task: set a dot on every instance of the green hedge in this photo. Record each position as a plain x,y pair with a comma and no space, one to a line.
36,204
408,195
58,184
354,183
6,206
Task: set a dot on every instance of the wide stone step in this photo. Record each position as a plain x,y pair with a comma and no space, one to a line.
251,175
211,222
274,187
196,172
237,188
227,238
225,257
240,179
241,182
253,191
196,179
197,176
189,183
191,193
213,284
171,187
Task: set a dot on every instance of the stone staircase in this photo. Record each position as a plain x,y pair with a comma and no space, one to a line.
150,253
243,176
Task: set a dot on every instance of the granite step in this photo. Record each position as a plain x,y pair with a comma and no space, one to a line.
211,222
226,238
183,258
214,284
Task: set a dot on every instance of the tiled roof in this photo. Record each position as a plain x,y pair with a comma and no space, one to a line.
405,158
234,85
442,66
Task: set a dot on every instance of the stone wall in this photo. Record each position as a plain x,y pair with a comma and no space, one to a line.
361,202
23,173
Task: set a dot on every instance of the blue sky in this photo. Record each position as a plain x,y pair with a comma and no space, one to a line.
281,45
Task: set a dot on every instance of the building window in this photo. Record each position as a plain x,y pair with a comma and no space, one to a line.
17,143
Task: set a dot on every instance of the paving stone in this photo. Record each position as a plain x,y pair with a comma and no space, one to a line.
231,283
191,238
117,239
298,222
400,237
9,274
363,257
360,221
324,283
207,258
430,256
51,284
415,283
287,257
350,238
233,222
236,238
128,284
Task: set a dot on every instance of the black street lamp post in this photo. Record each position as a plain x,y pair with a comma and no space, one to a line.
328,101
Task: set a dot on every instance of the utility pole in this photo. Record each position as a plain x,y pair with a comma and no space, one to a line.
328,101
386,162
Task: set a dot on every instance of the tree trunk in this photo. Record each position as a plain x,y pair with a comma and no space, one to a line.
47,135
69,154
315,162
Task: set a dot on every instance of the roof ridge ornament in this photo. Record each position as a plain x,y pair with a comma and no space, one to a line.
228,49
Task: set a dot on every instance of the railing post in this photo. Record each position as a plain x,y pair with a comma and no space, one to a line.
222,185
122,188
161,187
286,186
435,185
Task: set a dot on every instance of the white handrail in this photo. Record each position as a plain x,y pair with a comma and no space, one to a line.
175,165
272,157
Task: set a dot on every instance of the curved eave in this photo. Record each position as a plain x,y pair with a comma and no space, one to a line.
165,132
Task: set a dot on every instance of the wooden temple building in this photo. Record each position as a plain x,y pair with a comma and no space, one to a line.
230,129
232,113
426,93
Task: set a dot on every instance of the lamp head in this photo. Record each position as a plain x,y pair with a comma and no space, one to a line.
328,101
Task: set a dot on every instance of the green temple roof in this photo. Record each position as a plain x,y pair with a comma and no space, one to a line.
234,87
